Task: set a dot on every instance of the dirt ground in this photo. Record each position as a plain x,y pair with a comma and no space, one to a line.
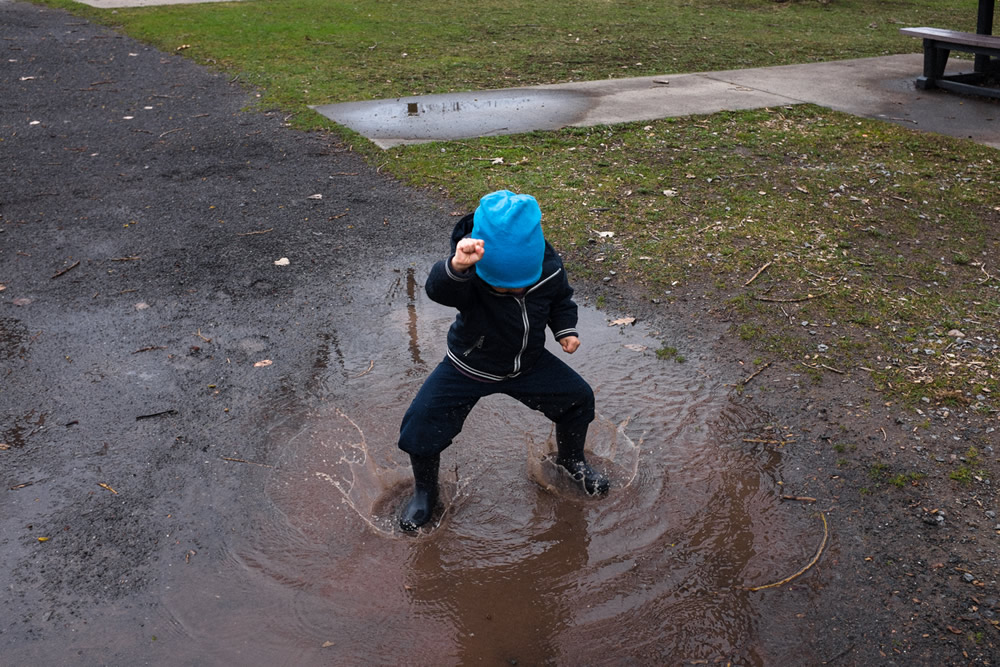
144,218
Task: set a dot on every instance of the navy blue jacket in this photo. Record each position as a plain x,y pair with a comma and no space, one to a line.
497,336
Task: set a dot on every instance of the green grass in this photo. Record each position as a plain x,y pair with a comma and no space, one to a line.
840,244
668,352
302,52
971,468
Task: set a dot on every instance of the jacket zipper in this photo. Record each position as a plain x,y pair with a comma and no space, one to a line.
478,344
524,341
524,318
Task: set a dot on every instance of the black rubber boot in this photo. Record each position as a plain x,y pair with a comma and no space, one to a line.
570,445
425,492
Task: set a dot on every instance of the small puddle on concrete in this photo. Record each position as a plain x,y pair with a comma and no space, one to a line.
459,115
520,568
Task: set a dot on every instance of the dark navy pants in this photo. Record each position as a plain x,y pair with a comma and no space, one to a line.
439,409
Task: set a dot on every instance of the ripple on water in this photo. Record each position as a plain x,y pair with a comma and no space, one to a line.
520,565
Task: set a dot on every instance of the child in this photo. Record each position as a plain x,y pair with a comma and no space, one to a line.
508,284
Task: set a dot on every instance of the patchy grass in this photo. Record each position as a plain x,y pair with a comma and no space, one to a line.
882,472
668,352
849,245
970,469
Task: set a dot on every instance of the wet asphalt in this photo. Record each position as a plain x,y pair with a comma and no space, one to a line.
143,214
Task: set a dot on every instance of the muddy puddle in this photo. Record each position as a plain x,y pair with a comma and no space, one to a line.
520,568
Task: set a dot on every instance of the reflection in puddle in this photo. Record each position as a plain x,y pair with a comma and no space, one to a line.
458,115
521,567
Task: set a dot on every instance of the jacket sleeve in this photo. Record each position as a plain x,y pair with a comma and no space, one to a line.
448,287
563,315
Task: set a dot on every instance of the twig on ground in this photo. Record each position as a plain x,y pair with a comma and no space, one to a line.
198,334
107,487
764,441
162,413
176,129
807,297
815,559
125,259
68,269
756,373
262,231
253,463
759,271
829,368
371,365
150,348
805,499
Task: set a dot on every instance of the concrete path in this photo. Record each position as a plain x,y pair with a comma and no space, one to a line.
869,87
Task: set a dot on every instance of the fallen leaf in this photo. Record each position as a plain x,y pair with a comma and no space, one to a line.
105,486
262,363
635,347
327,644
43,539
622,320
182,47
4,446
496,160
2,287
955,630
670,193
282,262
142,305
22,301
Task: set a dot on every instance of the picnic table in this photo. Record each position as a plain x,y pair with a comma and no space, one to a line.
939,43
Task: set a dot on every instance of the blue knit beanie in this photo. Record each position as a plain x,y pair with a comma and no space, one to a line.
511,227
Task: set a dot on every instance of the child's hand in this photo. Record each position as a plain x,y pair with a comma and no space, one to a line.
468,252
569,344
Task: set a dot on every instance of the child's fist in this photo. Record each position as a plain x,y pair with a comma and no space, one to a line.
467,252
569,344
